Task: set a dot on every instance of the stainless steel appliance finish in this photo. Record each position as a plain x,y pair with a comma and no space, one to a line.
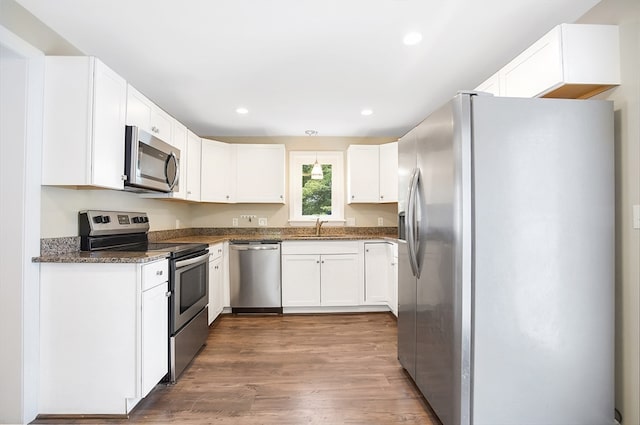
150,163
186,343
255,277
190,288
187,331
506,219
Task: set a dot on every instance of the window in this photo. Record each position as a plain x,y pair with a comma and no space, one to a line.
309,198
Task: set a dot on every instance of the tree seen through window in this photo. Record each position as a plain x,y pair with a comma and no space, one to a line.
316,194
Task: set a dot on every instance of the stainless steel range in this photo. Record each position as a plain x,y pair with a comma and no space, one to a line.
188,278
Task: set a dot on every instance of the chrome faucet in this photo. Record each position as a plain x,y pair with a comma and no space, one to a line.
319,225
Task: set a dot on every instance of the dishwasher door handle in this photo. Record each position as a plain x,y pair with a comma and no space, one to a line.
254,247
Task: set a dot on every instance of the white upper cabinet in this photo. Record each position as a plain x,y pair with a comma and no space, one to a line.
218,170
143,113
260,173
570,61
84,119
389,172
193,159
179,140
372,173
363,173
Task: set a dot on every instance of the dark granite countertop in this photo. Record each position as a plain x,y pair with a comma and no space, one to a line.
102,257
67,249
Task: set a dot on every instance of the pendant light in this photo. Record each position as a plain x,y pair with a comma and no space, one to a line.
316,171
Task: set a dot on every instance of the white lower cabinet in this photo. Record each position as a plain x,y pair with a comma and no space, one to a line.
300,280
216,280
155,317
103,336
377,273
322,275
339,280
320,280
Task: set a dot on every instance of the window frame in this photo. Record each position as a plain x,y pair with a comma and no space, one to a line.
299,158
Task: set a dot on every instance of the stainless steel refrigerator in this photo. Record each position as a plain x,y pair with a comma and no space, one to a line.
506,260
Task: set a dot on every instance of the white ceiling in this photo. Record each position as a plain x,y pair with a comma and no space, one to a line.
303,64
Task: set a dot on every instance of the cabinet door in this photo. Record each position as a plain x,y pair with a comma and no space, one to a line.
179,140
300,280
155,338
491,85
393,289
339,280
109,112
260,173
161,124
537,69
377,273
194,144
389,172
83,123
215,288
218,170
138,109
363,169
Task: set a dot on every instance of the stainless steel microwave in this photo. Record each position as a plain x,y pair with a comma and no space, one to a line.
150,163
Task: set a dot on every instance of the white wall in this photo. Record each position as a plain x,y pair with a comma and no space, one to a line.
626,98
21,90
60,208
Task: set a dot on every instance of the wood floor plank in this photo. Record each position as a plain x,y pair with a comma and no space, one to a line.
288,370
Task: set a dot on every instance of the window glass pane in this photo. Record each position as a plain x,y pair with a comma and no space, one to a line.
316,194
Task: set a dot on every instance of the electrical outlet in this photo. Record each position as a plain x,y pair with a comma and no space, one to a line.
234,221
177,223
351,221
262,221
380,221
636,216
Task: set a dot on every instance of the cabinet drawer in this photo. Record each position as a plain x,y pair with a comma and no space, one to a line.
215,251
154,274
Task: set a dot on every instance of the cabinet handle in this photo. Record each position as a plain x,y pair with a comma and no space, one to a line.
155,129
281,196
353,196
322,261
159,272
188,192
167,294
227,196
123,177
381,196
318,262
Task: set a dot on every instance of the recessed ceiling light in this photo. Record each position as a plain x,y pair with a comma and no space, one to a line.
412,38
242,111
366,112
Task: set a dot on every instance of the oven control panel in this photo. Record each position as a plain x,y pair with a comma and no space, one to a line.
100,223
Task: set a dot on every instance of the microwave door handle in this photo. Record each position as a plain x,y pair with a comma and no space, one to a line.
172,157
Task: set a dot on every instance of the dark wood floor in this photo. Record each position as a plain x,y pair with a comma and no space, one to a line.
289,370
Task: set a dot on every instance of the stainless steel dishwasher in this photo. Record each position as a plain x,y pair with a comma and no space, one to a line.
255,277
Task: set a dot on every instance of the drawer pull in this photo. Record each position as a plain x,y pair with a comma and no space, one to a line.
159,272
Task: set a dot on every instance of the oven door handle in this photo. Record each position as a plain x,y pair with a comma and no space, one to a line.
184,263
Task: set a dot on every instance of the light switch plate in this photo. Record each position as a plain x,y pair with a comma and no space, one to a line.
636,216
262,221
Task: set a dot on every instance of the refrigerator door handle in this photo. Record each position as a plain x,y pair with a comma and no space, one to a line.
412,235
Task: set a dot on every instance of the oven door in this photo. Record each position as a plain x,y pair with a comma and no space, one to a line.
150,163
190,289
